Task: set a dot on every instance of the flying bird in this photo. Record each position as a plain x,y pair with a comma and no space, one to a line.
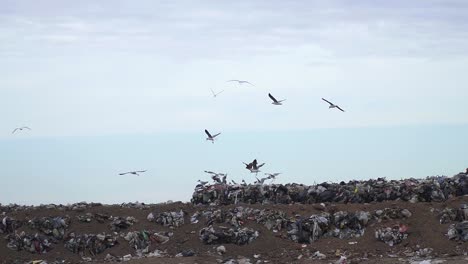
275,102
20,129
253,167
272,175
215,94
332,105
133,172
240,82
211,137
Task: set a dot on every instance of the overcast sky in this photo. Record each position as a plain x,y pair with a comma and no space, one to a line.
104,80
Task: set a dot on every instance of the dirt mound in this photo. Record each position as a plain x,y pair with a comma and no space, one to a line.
277,240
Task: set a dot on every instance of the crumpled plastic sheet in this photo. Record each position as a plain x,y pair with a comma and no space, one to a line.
171,219
31,243
90,243
436,189
390,235
224,235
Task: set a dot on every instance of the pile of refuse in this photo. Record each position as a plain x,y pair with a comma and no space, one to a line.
94,244
341,224
431,189
140,240
457,231
51,226
224,235
171,219
31,243
392,235
8,225
118,223
88,217
81,206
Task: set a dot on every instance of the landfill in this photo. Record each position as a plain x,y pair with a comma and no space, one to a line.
257,223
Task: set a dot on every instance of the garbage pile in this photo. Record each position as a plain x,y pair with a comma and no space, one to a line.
431,189
392,235
51,226
118,223
142,239
94,244
81,206
224,235
171,219
88,217
31,243
8,225
136,205
458,231
341,225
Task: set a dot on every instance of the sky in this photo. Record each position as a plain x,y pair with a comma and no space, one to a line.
112,86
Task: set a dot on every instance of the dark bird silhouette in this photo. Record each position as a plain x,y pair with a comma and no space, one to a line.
332,105
276,102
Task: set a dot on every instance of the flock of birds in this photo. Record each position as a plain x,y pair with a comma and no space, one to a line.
253,166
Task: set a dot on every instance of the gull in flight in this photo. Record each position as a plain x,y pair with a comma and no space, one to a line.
275,102
211,137
20,129
215,94
272,176
240,82
133,172
332,105
253,167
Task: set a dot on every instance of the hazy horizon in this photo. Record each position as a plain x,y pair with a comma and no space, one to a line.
112,86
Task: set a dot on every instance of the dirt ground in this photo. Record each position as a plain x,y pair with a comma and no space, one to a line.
425,231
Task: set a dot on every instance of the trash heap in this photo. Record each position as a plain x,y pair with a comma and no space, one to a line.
171,219
225,235
459,230
118,223
89,217
136,205
141,240
81,206
94,244
8,225
392,235
51,226
341,225
31,243
431,189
